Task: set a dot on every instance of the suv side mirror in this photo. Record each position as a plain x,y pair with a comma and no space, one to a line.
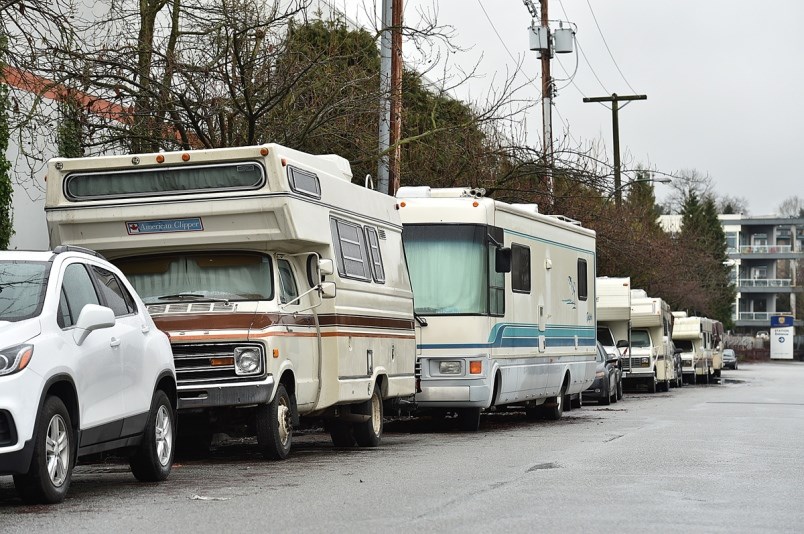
92,317
502,260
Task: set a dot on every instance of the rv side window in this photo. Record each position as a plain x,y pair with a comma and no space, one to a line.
583,286
304,182
288,289
377,269
496,285
520,268
350,250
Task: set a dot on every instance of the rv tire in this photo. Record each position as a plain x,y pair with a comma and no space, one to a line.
341,433
469,419
556,405
275,426
369,433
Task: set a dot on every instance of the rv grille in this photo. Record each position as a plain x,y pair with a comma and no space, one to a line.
191,307
194,363
8,434
417,370
633,363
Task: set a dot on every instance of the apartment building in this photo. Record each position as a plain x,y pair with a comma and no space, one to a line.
768,254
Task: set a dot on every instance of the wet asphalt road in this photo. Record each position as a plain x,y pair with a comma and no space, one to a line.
718,458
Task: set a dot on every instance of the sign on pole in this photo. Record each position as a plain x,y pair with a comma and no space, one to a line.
781,337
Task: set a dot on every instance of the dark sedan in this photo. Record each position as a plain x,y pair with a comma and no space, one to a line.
607,387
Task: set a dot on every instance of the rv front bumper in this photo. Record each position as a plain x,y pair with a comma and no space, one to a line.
474,393
220,395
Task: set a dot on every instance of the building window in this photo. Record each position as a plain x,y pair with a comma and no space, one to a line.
583,283
520,269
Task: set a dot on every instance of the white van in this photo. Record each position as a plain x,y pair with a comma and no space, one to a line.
693,335
281,284
651,359
506,303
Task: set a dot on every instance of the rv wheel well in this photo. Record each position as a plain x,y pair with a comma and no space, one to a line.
496,392
382,383
289,381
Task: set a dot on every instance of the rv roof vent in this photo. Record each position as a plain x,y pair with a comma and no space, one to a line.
458,192
533,208
639,293
342,164
566,219
409,191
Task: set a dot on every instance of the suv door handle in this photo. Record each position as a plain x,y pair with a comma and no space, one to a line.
115,342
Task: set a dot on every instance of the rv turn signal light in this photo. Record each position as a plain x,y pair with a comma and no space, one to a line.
475,367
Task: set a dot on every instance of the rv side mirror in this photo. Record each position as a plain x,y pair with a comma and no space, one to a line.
677,351
502,260
622,343
328,290
325,267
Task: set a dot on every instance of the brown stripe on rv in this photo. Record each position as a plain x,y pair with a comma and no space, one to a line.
261,321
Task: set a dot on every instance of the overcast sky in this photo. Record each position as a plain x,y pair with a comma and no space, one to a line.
724,81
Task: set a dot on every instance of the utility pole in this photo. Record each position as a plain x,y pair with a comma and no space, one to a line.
388,170
383,168
615,100
396,96
547,103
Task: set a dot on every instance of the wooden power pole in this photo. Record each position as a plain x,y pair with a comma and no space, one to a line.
615,99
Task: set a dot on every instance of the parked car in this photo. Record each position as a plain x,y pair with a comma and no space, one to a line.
729,359
608,384
79,358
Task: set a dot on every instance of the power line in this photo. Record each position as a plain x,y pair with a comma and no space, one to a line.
594,17
580,49
516,62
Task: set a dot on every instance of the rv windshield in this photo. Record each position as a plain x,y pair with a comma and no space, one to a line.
640,339
448,266
604,336
201,276
683,344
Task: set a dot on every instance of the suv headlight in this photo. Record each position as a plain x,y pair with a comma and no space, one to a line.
15,359
247,360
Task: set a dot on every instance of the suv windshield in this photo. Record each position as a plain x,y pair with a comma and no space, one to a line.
201,276
22,289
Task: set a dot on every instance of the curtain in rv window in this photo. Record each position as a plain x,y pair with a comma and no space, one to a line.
179,277
163,181
448,267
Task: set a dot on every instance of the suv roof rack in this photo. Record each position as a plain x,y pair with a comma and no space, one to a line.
72,248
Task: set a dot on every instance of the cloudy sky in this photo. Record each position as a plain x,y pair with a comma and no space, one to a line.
723,79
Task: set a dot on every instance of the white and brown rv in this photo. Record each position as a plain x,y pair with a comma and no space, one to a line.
282,285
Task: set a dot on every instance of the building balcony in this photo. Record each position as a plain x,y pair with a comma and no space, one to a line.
766,249
765,282
754,316
759,320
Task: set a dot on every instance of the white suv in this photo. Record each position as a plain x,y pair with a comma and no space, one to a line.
83,370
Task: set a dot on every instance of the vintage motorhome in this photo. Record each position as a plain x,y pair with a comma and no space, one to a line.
505,298
693,335
650,360
718,338
613,314
282,285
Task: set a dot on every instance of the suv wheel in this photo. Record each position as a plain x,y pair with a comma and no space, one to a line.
51,469
154,458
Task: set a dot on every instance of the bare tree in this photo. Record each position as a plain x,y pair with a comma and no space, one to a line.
791,207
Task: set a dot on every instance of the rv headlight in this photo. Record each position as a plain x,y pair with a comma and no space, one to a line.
247,361
600,374
645,362
452,367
